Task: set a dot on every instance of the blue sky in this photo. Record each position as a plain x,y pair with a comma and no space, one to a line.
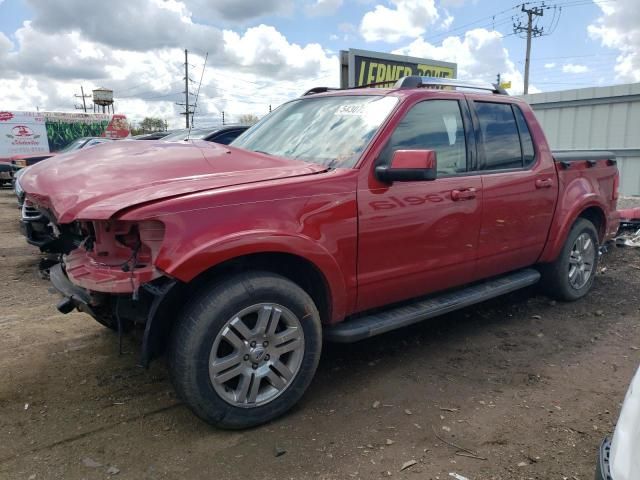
262,53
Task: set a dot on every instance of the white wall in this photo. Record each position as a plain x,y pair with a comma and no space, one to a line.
598,118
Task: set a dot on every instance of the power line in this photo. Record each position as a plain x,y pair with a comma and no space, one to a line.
195,105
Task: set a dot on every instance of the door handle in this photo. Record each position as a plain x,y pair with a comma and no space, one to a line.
544,183
463,194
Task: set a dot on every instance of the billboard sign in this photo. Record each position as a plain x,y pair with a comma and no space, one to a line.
33,133
364,67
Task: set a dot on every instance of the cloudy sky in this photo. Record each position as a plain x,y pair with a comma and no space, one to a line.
263,52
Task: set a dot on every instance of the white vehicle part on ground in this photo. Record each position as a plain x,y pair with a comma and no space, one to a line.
625,460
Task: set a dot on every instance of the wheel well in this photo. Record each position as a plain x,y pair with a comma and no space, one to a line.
297,269
596,216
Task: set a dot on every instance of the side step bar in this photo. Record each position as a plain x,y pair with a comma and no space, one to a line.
398,317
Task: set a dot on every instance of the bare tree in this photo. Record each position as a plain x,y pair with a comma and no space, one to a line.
248,119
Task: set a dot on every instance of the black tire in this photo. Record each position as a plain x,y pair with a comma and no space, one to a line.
202,323
555,276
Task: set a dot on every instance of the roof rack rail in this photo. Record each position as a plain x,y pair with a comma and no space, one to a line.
319,90
415,81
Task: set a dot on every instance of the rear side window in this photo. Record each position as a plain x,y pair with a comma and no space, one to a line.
528,152
499,136
431,125
226,138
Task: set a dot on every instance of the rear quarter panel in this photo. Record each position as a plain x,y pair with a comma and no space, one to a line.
582,187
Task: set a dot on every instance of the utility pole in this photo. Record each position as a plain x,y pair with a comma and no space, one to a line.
186,112
84,102
531,32
222,117
186,85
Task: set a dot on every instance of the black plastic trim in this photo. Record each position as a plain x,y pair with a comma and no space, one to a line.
390,175
63,285
402,316
582,155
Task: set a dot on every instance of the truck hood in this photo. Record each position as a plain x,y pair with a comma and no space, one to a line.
96,183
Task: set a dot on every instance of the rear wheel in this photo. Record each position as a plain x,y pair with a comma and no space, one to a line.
245,350
571,276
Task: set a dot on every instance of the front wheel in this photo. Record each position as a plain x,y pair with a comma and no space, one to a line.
246,349
571,276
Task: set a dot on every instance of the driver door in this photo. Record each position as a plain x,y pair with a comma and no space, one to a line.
418,237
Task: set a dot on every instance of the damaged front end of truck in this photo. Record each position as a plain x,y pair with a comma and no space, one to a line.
106,269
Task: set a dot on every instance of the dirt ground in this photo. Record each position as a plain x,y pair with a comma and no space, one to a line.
528,385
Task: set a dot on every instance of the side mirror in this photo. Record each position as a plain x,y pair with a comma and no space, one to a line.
409,166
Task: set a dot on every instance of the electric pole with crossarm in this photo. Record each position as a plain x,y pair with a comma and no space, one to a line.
531,31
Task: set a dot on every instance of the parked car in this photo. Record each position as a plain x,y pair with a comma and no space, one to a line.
619,458
79,143
7,172
152,136
223,135
341,215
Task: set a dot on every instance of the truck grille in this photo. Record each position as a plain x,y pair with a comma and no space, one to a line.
30,212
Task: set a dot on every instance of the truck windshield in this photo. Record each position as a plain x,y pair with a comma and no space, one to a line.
331,131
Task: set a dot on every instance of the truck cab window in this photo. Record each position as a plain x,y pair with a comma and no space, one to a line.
432,125
499,136
528,153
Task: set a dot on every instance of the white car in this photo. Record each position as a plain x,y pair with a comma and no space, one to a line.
619,459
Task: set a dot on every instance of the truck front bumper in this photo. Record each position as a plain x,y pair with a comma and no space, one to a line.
73,296
603,468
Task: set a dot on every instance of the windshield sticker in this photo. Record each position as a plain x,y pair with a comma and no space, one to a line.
350,110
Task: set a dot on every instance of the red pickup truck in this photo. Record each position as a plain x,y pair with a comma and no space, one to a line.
343,214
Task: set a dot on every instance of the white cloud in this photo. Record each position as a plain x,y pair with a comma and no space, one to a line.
265,51
239,10
253,68
619,28
480,55
574,68
324,7
549,65
448,20
406,19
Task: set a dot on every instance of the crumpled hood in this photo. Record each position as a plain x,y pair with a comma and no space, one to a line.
95,183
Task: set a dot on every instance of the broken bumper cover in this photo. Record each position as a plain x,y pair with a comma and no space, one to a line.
74,297
86,273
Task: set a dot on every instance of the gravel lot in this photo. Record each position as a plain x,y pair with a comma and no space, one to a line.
529,386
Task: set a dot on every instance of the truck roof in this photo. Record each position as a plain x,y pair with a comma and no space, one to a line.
410,84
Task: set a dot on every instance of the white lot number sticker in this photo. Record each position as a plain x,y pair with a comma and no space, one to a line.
350,110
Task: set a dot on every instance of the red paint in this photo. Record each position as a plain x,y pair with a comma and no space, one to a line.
414,159
375,243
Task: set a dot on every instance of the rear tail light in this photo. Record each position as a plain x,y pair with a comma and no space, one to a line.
616,185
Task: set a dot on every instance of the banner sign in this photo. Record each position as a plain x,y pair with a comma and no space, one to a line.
32,133
363,67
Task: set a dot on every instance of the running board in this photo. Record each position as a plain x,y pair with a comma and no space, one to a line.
398,317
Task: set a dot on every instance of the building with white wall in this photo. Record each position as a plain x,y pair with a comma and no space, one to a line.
598,118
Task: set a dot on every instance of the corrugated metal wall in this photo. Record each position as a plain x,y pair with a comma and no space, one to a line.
599,118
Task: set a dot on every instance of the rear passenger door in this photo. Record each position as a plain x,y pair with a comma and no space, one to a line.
519,191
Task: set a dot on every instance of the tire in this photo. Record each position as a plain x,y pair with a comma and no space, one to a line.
216,358
560,279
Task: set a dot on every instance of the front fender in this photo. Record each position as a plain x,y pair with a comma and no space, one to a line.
219,250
